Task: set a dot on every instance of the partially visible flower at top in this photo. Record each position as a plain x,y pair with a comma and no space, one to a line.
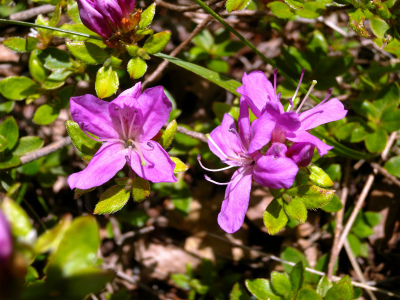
105,17
240,149
6,244
126,126
262,98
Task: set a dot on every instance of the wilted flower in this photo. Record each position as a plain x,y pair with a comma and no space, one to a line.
6,245
105,17
240,149
125,126
262,98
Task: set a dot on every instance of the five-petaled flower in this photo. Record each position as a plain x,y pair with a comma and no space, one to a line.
240,149
125,126
105,17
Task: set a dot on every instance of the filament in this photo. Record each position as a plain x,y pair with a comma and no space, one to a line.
121,122
290,107
326,98
314,82
298,86
219,183
137,147
275,74
212,170
215,145
132,123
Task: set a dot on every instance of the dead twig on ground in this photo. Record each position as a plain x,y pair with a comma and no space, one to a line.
32,12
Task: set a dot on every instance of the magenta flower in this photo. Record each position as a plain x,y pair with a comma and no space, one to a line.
105,16
261,96
125,126
6,244
240,149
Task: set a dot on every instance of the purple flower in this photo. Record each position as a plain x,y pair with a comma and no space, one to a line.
240,149
261,96
105,16
125,126
6,244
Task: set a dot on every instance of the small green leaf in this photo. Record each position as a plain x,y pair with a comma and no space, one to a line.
80,140
18,88
323,286
281,284
181,280
356,22
238,293
107,82
390,120
281,10
147,16
379,26
56,16
18,218
10,162
388,97
168,135
16,44
319,177
234,5
3,143
179,165
28,144
87,52
55,58
78,192
314,197
334,205
36,68
296,210
112,200
45,114
342,290
275,218
218,65
311,10
156,42
137,67
9,130
297,276
132,50
393,166
307,294
141,189
293,255
261,289
376,141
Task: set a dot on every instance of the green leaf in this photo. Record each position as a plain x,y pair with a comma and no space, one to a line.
220,109
107,82
393,166
261,289
356,22
238,293
6,107
147,16
137,67
275,218
296,210
18,218
18,88
3,143
342,290
307,294
55,58
10,162
314,197
28,144
297,276
293,255
376,141
80,140
168,135
390,120
281,10
112,200
234,5
218,65
372,218
9,130
179,165
157,42
388,98
323,286
355,244
281,284
311,10
56,16
132,50
36,68
221,80
78,192
141,189
16,44
379,26
334,205
46,114
319,177
181,280
87,52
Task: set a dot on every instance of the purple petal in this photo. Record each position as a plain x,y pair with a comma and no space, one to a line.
261,131
305,137
301,153
93,19
156,108
275,109
244,123
277,149
332,110
257,90
92,115
6,243
237,195
274,172
102,167
128,5
159,166
110,9
133,92
289,121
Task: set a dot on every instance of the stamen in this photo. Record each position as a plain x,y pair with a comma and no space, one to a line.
275,74
137,147
212,170
238,137
99,140
290,107
279,96
121,123
219,183
314,82
215,145
132,124
326,98
298,86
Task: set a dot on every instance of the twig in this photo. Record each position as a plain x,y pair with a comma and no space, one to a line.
45,151
196,135
386,174
339,220
357,268
32,12
183,8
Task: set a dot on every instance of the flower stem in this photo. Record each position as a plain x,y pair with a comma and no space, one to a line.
50,28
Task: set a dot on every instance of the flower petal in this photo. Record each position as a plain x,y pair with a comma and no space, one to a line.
102,167
92,115
257,90
301,153
111,10
274,172
159,166
133,92
261,131
332,110
289,121
305,137
93,19
244,123
277,149
237,195
5,239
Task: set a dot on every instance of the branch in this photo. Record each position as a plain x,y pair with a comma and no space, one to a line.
386,174
183,8
32,12
193,134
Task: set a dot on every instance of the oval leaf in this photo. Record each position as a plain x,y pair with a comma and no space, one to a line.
87,52
46,114
137,67
156,42
18,88
9,130
80,140
234,5
296,210
313,196
28,144
147,16
141,189
112,200
275,218
107,82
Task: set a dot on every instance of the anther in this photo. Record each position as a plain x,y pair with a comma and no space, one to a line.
314,82
290,107
326,98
